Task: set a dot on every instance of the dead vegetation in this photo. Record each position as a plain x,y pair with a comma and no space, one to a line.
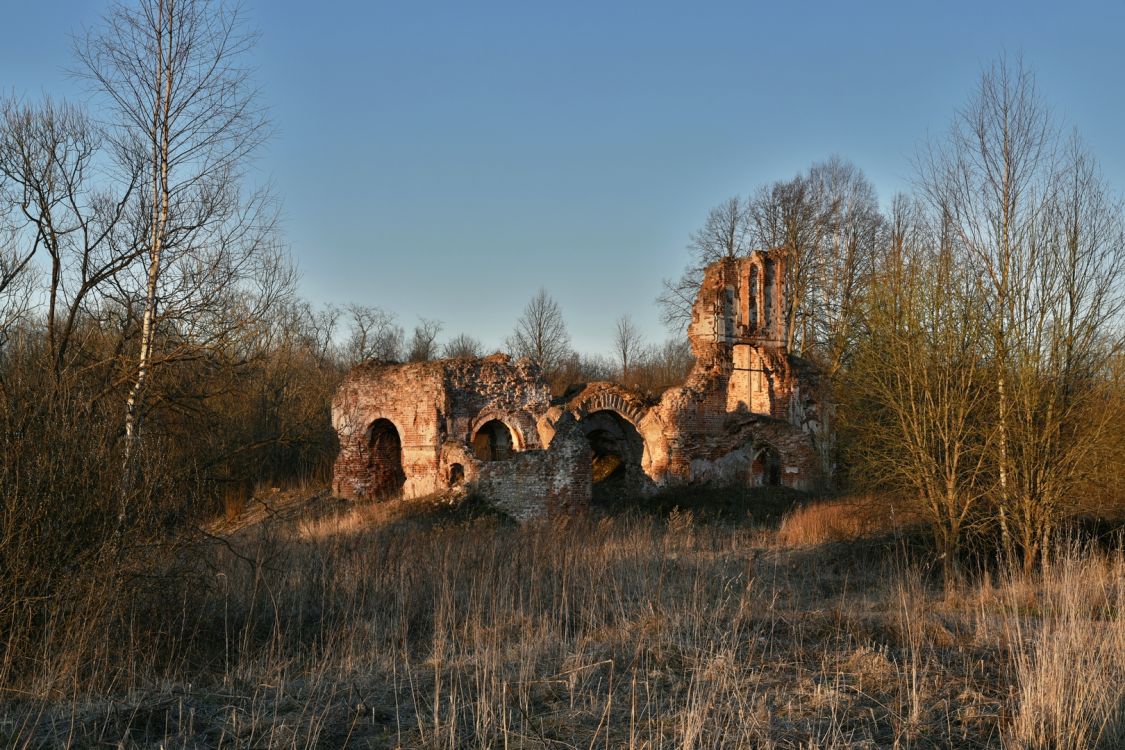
405,625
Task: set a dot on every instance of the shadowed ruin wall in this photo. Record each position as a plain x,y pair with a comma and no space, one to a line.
534,483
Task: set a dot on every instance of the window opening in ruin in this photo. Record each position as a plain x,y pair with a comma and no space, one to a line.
493,441
730,314
752,302
456,475
765,470
766,319
384,460
618,449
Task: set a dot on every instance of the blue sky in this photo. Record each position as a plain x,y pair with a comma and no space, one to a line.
448,159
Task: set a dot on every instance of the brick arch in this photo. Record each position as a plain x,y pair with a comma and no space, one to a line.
610,417
370,419
509,421
765,464
609,400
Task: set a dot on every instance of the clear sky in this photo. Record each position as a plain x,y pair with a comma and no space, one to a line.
448,159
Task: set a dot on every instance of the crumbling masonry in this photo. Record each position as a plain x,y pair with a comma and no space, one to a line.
748,414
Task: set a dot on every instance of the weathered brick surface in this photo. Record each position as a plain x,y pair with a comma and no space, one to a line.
746,397
542,482
431,403
748,413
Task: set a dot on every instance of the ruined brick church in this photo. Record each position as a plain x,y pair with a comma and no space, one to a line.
748,414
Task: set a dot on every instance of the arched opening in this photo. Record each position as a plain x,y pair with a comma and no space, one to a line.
384,460
493,441
765,470
618,449
456,475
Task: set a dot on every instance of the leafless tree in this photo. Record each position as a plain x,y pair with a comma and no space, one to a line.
676,299
628,343
582,368
853,231
297,325
791,216
320,327
423,343
672,362
17,279
826,223
373,335
461,346
988,180
916,407
57,206
541,334
725,234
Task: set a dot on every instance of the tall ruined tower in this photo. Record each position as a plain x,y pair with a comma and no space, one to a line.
738,331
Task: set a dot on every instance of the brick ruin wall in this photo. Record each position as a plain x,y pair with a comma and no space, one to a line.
429,403
747,414
542,482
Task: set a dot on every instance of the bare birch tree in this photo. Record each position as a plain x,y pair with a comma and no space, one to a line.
183,112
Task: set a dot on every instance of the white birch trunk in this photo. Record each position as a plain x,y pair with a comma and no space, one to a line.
160,204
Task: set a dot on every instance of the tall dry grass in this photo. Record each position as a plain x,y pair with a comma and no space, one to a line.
395,626
1070,655
841,520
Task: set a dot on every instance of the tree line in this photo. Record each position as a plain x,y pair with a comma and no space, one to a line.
540,334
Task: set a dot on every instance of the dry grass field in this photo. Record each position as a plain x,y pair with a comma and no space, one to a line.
323,624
